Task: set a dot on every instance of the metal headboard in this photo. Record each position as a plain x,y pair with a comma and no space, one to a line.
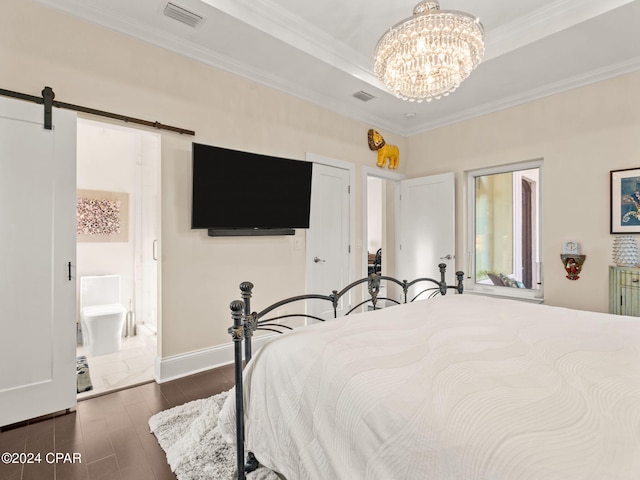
246,322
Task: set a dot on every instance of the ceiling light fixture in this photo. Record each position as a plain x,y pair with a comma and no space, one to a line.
428,55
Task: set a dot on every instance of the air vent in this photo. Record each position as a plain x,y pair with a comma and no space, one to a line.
364,96
182,15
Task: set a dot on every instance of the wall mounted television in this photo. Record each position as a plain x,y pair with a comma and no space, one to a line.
239,193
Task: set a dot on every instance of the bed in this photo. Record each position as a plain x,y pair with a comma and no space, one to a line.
460,387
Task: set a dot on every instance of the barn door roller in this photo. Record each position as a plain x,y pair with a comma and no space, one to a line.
47,100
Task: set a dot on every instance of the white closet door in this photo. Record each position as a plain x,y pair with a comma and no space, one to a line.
427,227
327,265
37,242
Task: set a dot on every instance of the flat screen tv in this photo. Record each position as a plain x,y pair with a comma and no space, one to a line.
241,193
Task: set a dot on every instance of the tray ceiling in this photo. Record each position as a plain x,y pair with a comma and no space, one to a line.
322,51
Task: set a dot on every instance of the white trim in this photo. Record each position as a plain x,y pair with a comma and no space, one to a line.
271,18
332,162
281,23
506,296
508,167
382,173
473,287
178,366
516,246
550,18
540,92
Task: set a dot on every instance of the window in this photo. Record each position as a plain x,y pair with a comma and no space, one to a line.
504,238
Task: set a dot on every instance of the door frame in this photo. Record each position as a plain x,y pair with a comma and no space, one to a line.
143,136
350,167
384,175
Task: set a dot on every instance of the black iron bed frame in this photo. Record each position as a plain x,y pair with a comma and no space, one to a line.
246,322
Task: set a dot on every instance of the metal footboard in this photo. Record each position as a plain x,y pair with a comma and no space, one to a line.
246,322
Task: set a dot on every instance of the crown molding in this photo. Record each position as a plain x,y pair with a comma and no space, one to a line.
577,81
525,30
543,22
280,23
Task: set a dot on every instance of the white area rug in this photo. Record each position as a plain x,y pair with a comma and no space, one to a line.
195,450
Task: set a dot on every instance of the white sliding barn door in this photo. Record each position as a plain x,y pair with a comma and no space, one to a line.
37,242
427,227
328,255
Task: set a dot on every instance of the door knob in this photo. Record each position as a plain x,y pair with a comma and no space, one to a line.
318,260
447,257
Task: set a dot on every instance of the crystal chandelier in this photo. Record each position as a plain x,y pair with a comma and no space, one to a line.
428,55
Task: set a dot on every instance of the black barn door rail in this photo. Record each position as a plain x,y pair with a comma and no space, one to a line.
47,99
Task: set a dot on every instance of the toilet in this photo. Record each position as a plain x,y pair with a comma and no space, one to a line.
102,315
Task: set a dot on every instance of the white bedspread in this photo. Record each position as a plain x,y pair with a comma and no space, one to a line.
459,387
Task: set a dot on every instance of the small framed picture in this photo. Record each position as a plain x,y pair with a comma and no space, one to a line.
625,201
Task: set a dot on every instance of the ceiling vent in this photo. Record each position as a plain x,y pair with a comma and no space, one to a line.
364,96
182,15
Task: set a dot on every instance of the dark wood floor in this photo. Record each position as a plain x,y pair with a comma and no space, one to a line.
110,433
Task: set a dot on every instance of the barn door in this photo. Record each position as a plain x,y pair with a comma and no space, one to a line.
37,258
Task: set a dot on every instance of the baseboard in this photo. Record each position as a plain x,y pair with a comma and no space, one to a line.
178,366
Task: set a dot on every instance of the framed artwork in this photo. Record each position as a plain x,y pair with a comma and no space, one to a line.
102,216
625,201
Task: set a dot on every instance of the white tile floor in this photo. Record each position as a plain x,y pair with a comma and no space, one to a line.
132,365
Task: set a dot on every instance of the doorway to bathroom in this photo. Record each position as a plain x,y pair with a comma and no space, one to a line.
118,181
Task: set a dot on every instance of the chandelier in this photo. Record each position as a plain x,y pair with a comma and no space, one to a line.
428,55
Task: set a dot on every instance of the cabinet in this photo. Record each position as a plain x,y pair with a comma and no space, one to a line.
624,291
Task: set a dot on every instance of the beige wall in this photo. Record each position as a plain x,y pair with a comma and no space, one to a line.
98,68
581,135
